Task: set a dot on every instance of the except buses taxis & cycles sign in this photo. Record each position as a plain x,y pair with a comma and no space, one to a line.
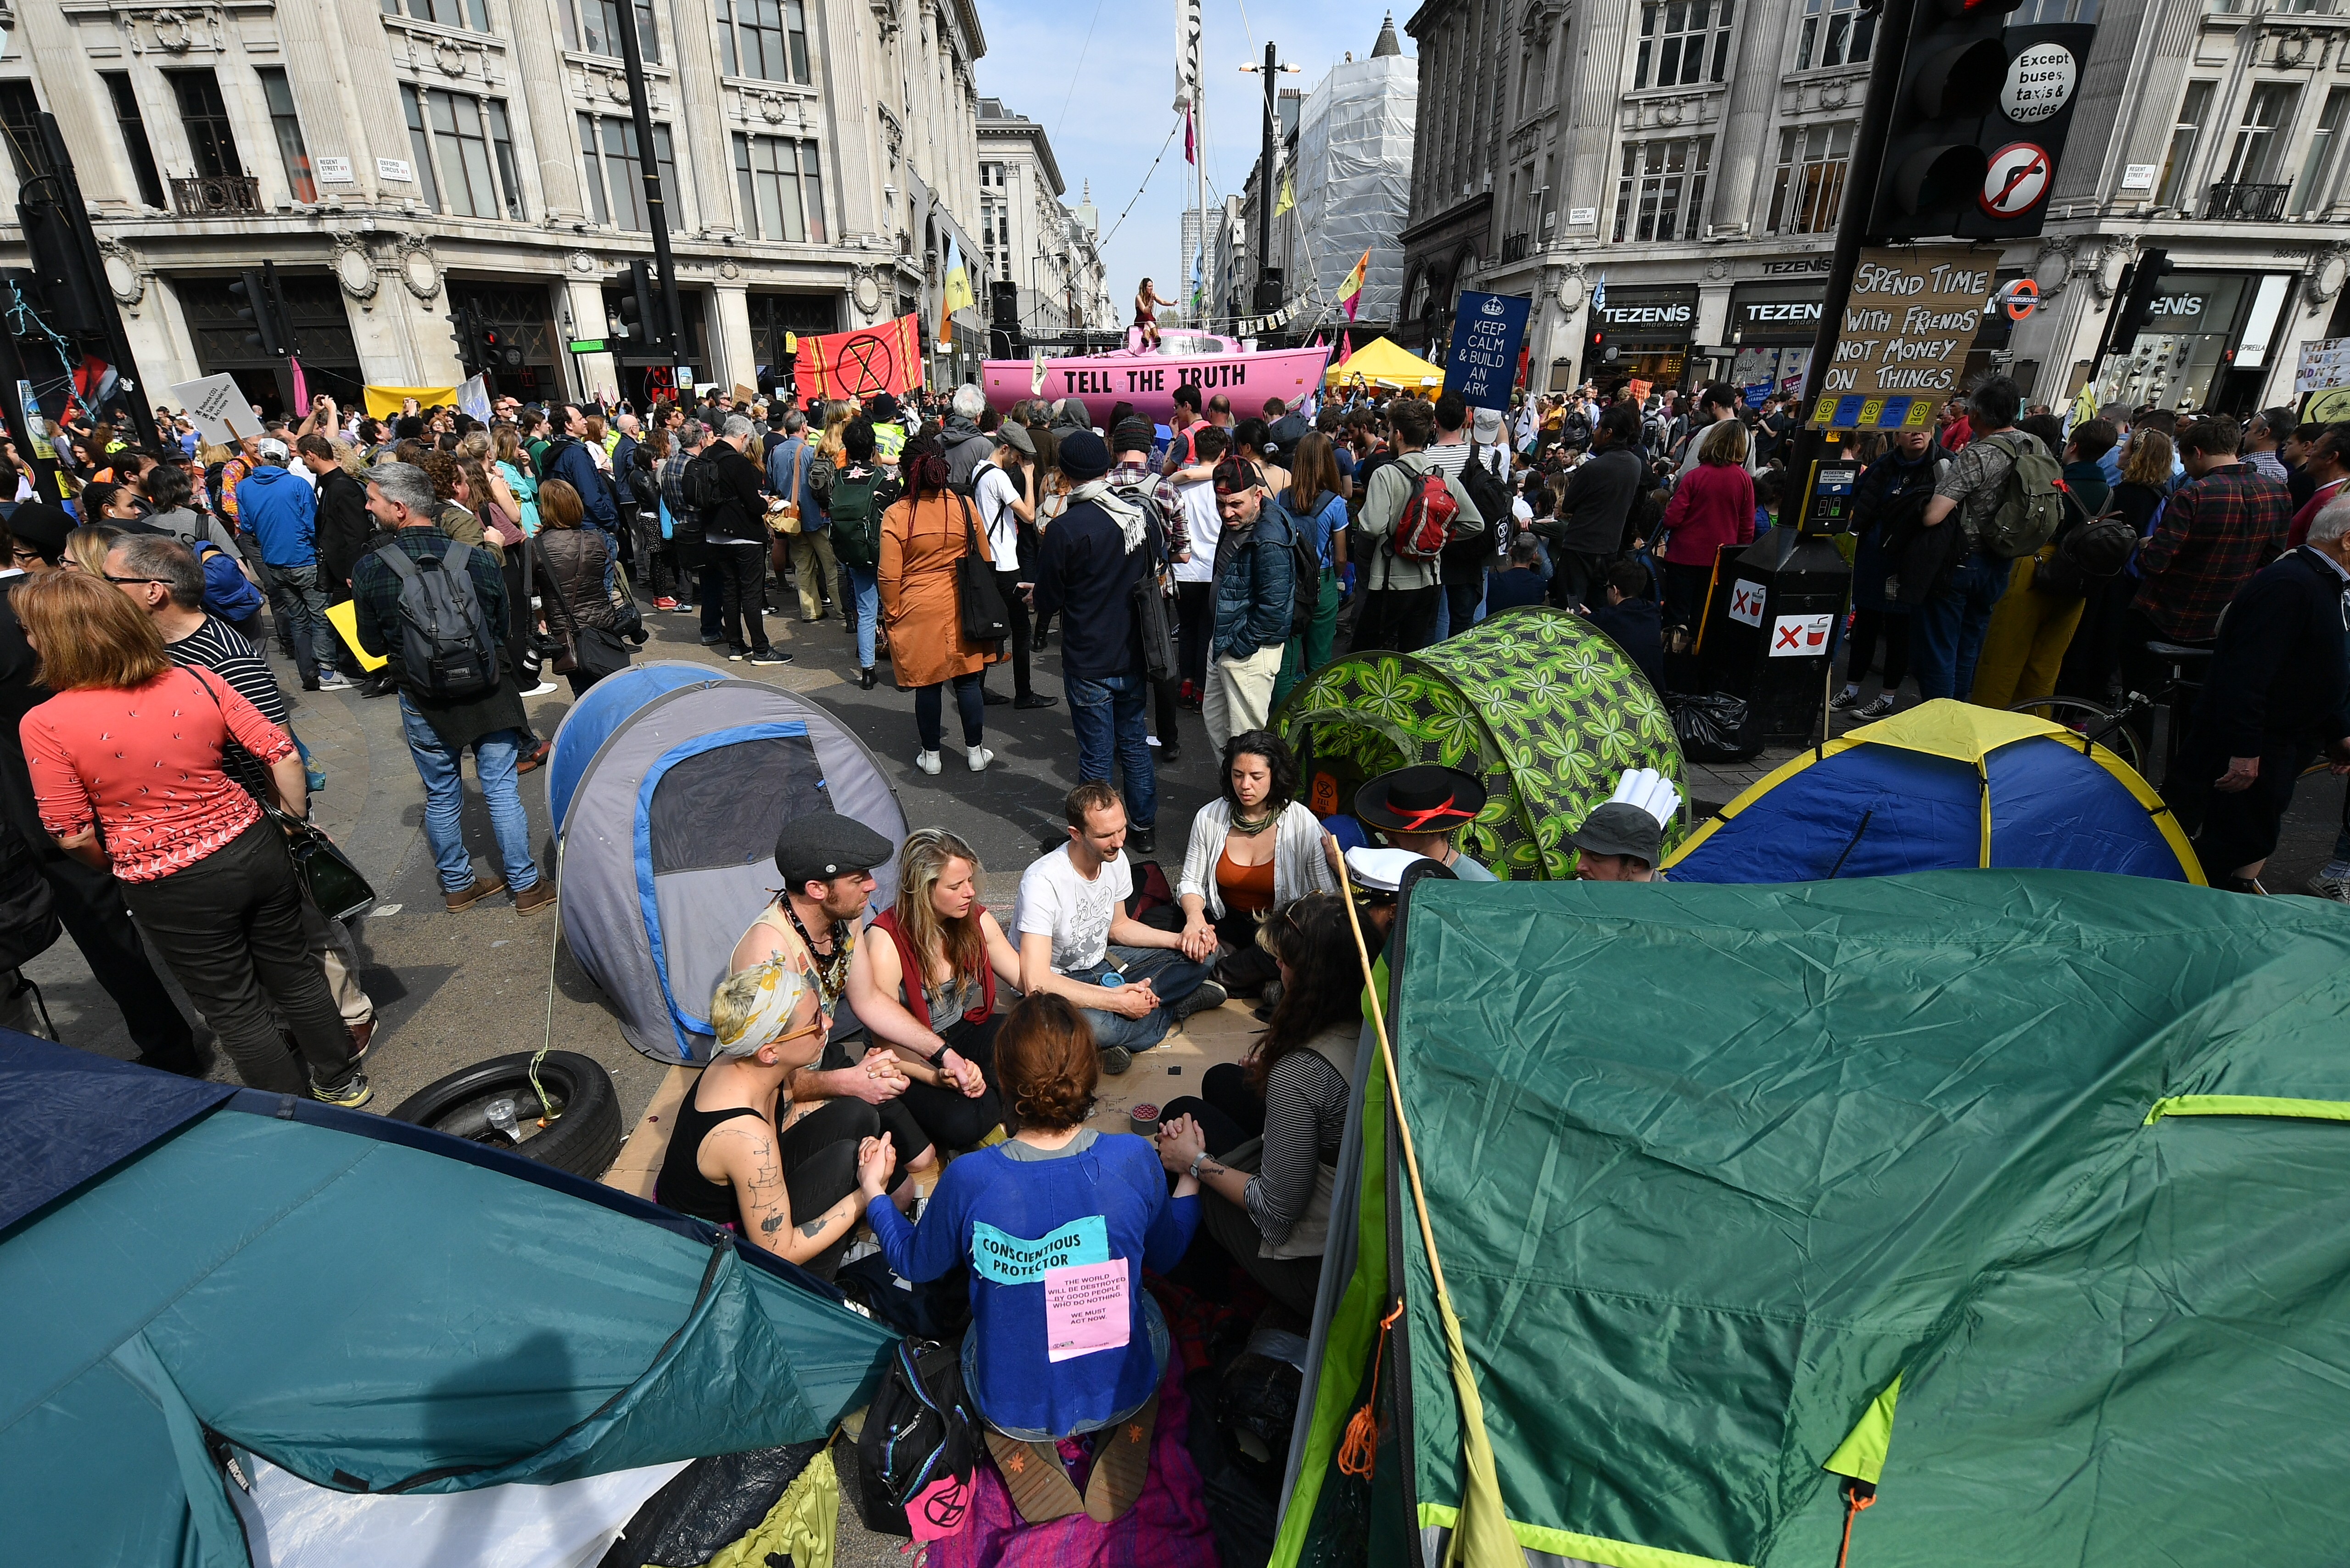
1901,346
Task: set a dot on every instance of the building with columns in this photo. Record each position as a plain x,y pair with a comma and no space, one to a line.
1046,253
1693,154
397,164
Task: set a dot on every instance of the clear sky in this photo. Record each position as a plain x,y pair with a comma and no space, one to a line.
1099,76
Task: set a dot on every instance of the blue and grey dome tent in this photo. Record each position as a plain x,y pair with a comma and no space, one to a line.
667,837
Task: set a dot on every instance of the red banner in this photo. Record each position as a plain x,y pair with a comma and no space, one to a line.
884,358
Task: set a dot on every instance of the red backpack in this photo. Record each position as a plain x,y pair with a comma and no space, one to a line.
1426,524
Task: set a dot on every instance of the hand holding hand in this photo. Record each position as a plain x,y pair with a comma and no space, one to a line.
1198,937
883,1077
1181,1141
874,1160
962,1074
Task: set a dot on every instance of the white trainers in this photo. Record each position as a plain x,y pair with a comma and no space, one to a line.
928,762
978,757
2334,887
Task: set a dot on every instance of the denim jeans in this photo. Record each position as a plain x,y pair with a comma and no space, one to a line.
1106,714
1946,632
442,771
300,605
867,588
1170,974
1154,1321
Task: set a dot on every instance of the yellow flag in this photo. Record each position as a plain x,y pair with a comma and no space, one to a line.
1287,199
2085,406
957,291
1350,293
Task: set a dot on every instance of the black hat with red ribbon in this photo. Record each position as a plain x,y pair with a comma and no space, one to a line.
1424,798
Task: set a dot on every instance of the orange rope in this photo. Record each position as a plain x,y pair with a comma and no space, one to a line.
1362,1441
1857,1495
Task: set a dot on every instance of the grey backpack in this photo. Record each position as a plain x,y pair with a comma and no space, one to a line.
447,650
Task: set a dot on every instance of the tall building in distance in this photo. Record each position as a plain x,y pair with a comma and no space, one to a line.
1046,253
1693,154
821,165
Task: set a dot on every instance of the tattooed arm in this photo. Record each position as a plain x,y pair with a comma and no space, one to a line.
745,1149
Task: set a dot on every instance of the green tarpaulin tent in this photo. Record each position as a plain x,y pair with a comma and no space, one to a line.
1713,1168
1537,702
202,1280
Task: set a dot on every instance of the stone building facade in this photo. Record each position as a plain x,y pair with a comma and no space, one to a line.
400,163
1692,153
1050,253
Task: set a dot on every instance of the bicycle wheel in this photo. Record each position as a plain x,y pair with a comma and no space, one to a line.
2091,721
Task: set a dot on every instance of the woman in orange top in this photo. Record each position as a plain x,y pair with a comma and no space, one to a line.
126,766
923,535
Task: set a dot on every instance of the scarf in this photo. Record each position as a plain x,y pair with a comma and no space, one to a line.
1129,517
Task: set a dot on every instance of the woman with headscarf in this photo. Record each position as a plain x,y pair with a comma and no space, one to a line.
924,536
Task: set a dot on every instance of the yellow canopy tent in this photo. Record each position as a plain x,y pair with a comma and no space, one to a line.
1381,361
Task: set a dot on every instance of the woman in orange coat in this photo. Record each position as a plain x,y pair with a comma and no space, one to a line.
923,535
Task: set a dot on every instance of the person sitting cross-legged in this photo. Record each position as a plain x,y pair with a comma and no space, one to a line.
1078,941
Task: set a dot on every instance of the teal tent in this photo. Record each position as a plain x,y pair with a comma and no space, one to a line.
2020,1197
205,1282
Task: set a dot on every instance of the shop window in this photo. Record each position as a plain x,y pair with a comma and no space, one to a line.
1835,32
2185,133
1809,191
1682,43
616,186
134,136
781,187
212,144
764,38
279,96
473,14
1662,188
593,26
2258,148
2320,168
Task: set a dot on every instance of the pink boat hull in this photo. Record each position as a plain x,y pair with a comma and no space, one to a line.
1102,381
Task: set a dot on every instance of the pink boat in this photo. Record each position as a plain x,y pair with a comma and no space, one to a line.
1149,379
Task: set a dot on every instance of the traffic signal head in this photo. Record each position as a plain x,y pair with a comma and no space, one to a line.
1978,122
2137,299
252,292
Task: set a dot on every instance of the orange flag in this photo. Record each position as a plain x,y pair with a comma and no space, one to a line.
883,358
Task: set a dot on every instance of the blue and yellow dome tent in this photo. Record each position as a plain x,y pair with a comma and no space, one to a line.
1944,786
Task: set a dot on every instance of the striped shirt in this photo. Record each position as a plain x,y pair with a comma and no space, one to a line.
220,648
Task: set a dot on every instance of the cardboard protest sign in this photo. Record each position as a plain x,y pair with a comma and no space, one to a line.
1902,342
219,409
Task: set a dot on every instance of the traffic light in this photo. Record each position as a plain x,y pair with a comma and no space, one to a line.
464,334
2138,291
1978,123
1596,352
259,302
497,351
639,310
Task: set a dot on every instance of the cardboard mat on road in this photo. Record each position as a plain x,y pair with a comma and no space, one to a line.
1167,1071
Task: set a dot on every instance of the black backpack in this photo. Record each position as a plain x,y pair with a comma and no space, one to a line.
2088,551
1490,494
705,491
1305,566
29,926
921,1428
447,649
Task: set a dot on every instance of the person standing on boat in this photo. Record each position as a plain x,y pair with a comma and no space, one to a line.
1146,299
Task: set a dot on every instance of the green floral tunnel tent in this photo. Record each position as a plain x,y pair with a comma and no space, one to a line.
2021,1196
1537,702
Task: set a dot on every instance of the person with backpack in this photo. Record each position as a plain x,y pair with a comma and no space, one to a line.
1984,495
429,605
2034,623
854,497
1412,510
728,487
1255,601
1005,492
1316,504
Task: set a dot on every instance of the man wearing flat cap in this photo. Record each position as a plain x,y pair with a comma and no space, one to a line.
1618,842
827,862
1421,807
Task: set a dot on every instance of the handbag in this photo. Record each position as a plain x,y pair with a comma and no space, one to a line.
590,650
337,885
783,512
979,603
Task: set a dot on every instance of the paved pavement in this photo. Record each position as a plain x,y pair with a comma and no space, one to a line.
451,990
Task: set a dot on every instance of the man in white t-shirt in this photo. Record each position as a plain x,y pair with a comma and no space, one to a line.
1077,941
1195,611
1003,489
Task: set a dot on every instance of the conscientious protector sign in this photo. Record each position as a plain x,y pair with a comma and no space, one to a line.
1901,346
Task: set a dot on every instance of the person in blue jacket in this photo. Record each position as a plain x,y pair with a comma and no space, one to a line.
1059,1345
280,509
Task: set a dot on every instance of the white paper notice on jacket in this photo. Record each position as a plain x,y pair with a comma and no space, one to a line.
1800,636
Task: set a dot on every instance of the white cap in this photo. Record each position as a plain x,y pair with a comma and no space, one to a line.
1380,870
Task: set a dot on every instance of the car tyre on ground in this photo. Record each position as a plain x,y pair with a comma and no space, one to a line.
582,1139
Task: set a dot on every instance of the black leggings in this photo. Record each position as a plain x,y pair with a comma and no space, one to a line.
1195,614
1228,1110
970,696
1868,627
949,1118
819,1153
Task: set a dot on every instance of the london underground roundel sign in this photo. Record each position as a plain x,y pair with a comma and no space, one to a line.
2016,180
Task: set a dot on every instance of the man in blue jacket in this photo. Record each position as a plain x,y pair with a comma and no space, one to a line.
1255,596
569,460
280,509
